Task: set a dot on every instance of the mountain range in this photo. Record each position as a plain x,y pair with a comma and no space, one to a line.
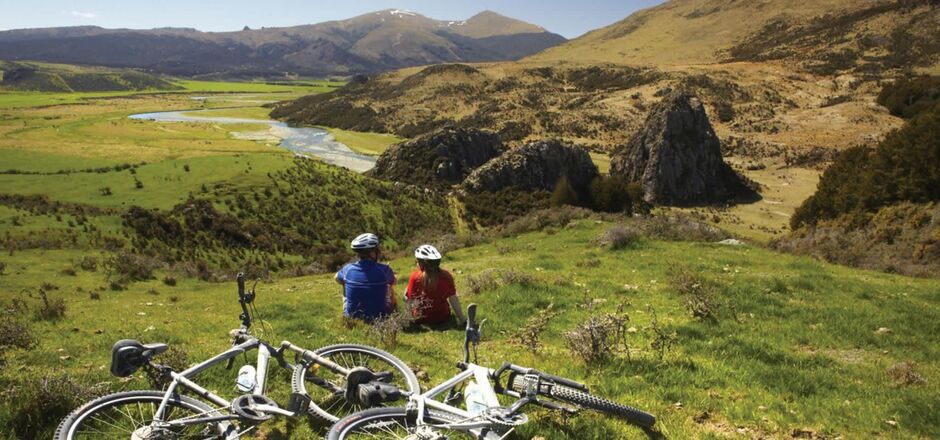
368,43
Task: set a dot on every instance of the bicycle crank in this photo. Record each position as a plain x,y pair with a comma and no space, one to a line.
245,407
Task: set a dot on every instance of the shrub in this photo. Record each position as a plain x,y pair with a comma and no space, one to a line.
37,405
128,267
489,279
105,191
176,358
94,295
68,271
485,280
50,309
599,337
3,267
905,374
681,227
14,331
908,97
529,335
88,263
609,194
169,280
386,330
563,194
662,341
700,296
618,237
861,180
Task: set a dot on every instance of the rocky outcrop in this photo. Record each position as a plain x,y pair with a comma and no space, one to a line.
676,157
535,166
441,158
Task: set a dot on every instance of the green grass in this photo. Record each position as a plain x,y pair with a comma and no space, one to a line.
798,349
372,144
308,87
166,183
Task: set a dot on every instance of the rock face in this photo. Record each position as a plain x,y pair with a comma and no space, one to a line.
441,158
535,166
676,157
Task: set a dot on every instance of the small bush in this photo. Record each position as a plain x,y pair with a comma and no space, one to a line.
3,267
68,271
609,194
529,335
682,227
37,405
563,194
386,330
662,341
176,358
169,281
94,296
128,267
489,279
116,286
905,374
88,263
599,337
47,286
14,332
700,296
50,309
618,237
174,299
105,191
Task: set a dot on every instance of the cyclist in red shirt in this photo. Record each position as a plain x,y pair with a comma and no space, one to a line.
431,292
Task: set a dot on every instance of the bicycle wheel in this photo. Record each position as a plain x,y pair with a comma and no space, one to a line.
392,423
130,415
330,406
585,400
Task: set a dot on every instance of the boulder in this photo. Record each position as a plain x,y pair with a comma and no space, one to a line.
440,158
676,157
535,166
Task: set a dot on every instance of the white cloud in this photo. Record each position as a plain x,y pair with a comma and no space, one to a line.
80,14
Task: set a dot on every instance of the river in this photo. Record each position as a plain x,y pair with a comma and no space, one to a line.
305,141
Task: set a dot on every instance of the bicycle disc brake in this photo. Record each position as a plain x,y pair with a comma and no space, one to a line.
244,407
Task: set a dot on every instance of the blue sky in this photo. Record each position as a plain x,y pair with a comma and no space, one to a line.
567,17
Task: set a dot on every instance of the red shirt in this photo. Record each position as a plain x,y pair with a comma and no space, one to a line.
432,304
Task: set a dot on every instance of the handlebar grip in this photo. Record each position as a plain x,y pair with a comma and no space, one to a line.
240,278
472,316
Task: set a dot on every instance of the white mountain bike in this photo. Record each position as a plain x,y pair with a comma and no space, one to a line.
426,418
344,379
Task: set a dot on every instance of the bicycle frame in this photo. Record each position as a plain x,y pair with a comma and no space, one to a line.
184,379
472,423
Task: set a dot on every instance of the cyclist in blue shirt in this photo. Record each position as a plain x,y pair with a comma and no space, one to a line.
367,284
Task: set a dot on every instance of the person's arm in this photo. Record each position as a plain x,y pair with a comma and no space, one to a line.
457,308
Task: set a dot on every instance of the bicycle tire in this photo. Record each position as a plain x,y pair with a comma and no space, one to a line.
589,401
357,423
335,353
72,423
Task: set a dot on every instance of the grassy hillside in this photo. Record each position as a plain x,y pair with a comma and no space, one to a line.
783,346
45,77
821,36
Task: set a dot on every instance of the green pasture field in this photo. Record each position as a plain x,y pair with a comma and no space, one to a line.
373,144
795,347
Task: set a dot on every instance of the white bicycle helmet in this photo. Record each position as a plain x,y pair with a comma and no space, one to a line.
427,252
365,241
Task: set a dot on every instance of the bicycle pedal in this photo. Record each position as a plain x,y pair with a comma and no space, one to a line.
298,402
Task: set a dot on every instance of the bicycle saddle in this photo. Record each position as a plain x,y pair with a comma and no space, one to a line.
127,355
